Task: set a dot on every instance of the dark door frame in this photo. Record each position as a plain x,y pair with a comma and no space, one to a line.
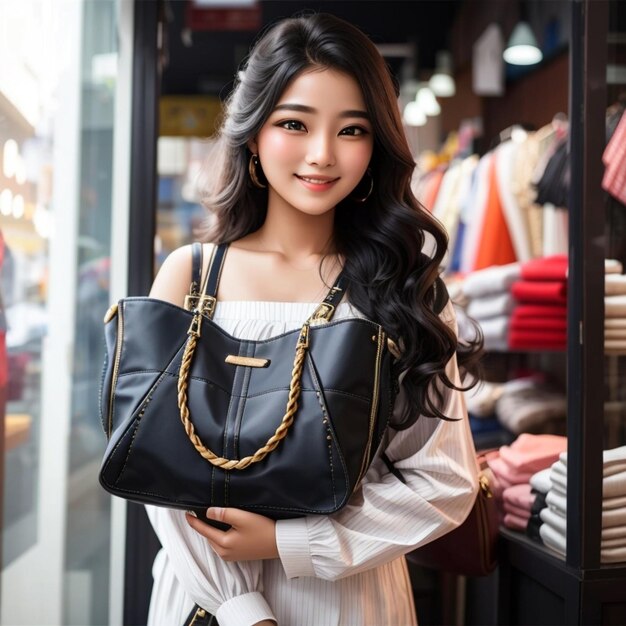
141,542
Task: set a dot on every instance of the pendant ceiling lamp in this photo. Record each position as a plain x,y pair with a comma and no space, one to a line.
442,83
426,101
413,115
522,48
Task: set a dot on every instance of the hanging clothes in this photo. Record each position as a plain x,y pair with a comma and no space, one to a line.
505,157
553,187
527,161
473,214
614,159
496,246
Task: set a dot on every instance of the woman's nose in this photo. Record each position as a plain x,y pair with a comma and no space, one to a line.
320,151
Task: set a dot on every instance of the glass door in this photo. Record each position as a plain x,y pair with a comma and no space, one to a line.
61,127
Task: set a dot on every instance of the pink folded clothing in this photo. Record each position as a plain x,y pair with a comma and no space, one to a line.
548,268
497,487
515,523
519,496
539,323
550,292
514,510
547,340
532,453
539,310
507,475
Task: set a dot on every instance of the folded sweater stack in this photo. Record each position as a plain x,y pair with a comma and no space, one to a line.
614,308
487,430
517,502
488,291
540,486
539,320
512,468
554,516
531,405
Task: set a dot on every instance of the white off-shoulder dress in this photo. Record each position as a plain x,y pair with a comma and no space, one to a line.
345,569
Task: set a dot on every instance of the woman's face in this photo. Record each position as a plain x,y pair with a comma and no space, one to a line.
316,144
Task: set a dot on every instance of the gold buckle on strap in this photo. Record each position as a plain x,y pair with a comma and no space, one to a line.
203,304
323,313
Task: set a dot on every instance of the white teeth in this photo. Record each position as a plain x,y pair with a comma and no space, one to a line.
315,181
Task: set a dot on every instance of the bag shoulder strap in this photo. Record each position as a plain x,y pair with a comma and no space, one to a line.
323,312
196,268
215,271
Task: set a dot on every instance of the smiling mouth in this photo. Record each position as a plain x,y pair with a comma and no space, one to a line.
314,180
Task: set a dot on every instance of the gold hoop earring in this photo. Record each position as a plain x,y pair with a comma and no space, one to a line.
252,165
369,191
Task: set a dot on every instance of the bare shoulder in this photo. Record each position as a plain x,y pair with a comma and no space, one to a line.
173,280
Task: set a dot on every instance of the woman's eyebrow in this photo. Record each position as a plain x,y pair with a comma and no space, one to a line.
303,108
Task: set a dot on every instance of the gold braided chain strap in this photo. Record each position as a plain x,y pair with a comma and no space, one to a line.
281,431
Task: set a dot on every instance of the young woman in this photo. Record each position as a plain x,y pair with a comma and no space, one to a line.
313,177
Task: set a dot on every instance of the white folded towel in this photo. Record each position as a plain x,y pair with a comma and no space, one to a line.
495,332
613,536
613,460
612,266
613,484
615,346
615,323
541,481
559,485
610,517
615,284
491,280
491,306
614,334
615,306
557,520
552,538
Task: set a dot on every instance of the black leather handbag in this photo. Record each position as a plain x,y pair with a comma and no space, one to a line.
195,417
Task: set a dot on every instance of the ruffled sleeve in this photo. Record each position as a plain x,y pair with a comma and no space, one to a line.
386,518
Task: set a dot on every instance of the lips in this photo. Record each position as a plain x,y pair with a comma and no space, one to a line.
316,183
317,180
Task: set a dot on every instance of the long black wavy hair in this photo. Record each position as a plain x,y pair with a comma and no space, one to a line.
381,240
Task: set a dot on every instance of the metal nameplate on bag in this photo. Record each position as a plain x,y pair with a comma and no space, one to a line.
246,361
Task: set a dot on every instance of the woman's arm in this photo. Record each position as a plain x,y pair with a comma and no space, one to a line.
387,518
230,591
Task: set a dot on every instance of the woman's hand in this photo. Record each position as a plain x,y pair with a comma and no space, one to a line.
250,538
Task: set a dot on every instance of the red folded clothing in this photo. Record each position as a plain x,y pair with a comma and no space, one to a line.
539,310
538,323
552,292
547,340
549,268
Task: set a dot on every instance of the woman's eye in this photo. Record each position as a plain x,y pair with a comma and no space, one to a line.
354,131
292,125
